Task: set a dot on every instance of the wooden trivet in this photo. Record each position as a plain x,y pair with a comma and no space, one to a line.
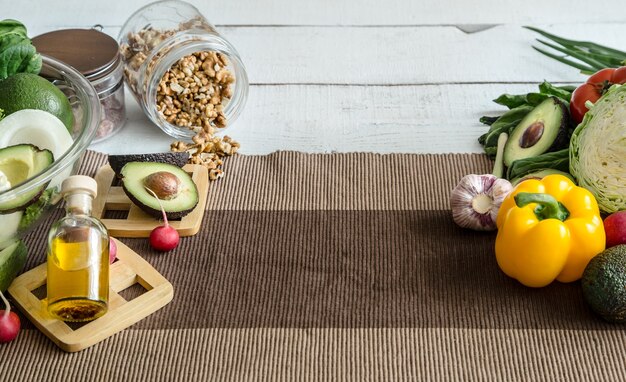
129,269
138,223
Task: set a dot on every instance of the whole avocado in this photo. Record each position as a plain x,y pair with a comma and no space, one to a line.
604,284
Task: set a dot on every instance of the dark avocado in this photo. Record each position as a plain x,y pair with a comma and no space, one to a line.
20,163
544,129
539,174
179,194
604,284
176,159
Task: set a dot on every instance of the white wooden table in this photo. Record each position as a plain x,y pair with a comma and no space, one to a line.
409,76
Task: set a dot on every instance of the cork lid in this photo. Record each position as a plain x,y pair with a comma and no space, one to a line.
93,53
79,183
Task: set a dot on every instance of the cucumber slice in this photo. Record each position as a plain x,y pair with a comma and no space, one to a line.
12,260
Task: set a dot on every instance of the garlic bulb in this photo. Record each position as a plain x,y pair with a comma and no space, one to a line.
476,200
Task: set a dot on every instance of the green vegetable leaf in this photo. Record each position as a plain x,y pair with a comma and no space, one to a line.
12,26
18,59
488,120
547,88
35,210
2,114
10,39
504,124
511,100
557,160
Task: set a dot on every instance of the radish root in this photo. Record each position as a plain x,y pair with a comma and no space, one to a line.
160,205
8,307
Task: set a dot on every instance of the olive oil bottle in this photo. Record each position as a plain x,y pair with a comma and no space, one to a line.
78,257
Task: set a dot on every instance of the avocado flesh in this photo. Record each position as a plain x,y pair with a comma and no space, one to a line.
604,284
539,175
20,163
544,129
178,159
133,177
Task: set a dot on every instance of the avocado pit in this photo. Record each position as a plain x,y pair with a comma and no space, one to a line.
165,185
531,135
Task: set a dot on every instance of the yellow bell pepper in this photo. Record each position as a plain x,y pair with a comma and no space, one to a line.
548,229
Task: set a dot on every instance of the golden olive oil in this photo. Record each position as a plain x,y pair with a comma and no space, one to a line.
78,273
78,257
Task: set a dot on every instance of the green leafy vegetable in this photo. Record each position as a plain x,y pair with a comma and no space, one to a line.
504,124
17,55
556,160
9,26
598,150
35,210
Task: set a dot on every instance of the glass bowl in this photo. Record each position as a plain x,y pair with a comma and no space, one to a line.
86,107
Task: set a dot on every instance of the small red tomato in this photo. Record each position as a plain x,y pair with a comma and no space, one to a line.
580,96
615,228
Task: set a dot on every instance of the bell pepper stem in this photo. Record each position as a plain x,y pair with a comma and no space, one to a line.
547,205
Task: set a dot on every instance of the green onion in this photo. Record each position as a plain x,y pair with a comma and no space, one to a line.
591,56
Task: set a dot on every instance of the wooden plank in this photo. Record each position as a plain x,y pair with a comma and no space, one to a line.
411,55
328,12
384,119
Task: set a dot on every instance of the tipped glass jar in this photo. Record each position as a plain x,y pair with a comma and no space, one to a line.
184,74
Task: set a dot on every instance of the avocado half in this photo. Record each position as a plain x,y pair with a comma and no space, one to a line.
544,129
134,177
178,159
604,284
20,163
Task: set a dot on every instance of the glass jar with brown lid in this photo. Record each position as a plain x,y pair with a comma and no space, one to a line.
96,56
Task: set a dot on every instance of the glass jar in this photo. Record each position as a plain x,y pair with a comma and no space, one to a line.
159,36
96,56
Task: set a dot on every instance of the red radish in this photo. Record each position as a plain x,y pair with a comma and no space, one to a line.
615,228
9,323
112,250
163,238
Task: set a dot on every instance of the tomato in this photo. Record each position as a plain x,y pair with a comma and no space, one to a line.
601,76
619,75
582,94
593,89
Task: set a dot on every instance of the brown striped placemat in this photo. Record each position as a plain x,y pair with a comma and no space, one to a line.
336,267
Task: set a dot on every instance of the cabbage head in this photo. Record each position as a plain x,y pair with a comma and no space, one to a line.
598,151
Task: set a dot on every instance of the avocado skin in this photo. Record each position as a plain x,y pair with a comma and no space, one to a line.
604,284
562,139
156,213
178,159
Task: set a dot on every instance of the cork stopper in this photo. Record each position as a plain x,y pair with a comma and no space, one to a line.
79,183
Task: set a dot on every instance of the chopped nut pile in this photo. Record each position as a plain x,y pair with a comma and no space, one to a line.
191,94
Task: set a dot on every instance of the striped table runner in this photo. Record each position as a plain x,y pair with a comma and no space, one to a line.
336,267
